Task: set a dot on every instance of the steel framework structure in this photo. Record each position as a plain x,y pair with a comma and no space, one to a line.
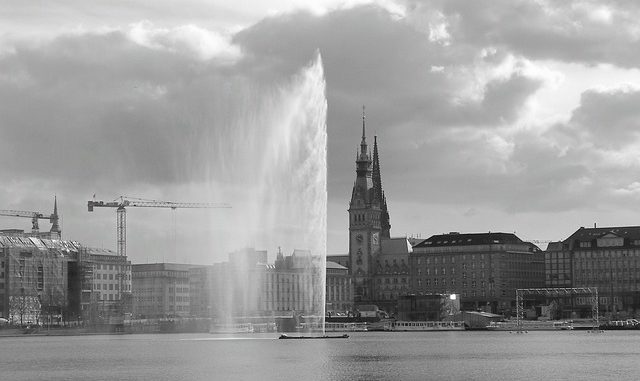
558,292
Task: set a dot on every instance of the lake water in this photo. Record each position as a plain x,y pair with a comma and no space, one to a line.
577,355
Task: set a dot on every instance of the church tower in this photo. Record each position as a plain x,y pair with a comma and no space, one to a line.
368,219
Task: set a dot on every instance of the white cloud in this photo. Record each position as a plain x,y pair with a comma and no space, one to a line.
191,39
632,189
438,30
594,11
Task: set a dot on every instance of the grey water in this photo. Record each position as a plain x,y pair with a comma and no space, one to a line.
576,355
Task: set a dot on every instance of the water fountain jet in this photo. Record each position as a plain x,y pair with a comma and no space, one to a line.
270,163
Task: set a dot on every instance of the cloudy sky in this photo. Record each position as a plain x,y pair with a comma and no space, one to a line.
494,115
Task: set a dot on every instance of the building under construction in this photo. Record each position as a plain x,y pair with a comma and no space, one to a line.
60,282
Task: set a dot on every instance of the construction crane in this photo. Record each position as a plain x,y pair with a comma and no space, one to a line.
35,216
124,202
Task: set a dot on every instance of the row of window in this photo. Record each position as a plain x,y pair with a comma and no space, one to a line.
607,254
427,282
463,266
451,258
606,264
392,280
108,297
111,267
179,289
180,276
452,272
96,286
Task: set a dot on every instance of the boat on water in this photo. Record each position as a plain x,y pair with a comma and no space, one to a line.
530,325
621,324
287,337
407,326
345,327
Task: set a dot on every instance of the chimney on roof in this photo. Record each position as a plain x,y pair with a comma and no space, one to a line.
594,225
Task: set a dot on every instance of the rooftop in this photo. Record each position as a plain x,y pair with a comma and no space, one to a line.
588,234
395,246
469,239
336,266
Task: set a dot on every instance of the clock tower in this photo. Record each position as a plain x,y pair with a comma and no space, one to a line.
368,219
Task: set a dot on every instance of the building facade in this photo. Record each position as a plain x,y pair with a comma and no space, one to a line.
101,285
161,290
607,258
392,275
293,284
339,290
485,269
200,288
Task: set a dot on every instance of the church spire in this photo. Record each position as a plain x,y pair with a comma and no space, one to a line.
378,193
363,160
363,142
377,181
55,227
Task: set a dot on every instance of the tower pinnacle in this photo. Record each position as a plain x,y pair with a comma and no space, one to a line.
55,227
363,142
363,117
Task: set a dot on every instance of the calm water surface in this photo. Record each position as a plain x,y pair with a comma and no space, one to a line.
577,355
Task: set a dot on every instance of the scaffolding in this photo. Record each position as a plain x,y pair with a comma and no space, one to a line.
592,292
36,281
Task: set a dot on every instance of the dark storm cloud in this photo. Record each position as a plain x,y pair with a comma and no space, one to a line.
101,107
611,118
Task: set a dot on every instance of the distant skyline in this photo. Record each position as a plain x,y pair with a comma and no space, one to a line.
502,115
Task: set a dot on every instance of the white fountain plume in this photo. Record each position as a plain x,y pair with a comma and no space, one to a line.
270,162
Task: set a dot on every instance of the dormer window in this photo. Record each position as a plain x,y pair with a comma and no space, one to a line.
610,241
585,244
